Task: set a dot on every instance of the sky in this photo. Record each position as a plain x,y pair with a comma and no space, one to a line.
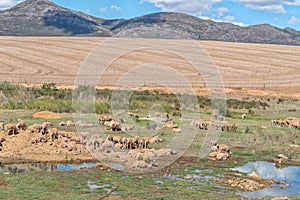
280,13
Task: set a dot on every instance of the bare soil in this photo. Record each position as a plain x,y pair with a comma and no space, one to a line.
251,69
46,115
18,148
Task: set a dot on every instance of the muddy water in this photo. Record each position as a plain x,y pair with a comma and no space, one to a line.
289,175
37,167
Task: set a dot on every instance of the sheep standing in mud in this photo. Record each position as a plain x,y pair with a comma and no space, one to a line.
21,125
53,134
11,129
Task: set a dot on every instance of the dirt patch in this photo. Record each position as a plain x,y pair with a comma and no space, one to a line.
46,115
18,148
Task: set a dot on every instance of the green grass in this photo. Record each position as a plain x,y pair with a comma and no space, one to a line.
73,185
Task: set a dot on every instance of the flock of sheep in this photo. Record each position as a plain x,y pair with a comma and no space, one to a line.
45,133
287,122
219,151
222,125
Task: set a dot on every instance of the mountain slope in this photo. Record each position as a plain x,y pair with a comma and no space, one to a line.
44,18
182,26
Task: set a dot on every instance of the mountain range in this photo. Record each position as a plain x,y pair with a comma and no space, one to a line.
44,18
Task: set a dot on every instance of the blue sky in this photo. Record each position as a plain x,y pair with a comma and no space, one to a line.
280,13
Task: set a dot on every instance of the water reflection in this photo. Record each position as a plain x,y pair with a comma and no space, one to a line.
289,175
37,167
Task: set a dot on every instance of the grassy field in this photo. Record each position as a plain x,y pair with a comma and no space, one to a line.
187,178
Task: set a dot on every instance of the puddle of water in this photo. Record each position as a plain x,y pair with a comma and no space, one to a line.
92,186
289,175
107,187
197,176
74,167
117,166
37,167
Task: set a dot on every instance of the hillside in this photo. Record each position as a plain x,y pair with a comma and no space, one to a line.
44,18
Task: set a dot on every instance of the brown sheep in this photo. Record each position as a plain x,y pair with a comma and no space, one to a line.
53,133
141,142
222,156
155,139
223,148
124,142
212,155
176,130
110,138
10,129
134,142
70,123
35,128
21,125
170,124
35,139
116,139
44,128
133,115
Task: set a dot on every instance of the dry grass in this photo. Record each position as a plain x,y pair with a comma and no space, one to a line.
46,115
36,60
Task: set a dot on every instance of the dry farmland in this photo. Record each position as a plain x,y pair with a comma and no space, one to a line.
58,59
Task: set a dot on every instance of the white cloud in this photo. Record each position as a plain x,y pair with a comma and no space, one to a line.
227,20
293,3
192,7
5,4
221,16
275,6
294,20
115,8
220,12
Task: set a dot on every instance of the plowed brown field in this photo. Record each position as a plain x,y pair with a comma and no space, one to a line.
257,68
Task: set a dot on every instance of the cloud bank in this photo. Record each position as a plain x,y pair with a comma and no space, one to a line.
5,4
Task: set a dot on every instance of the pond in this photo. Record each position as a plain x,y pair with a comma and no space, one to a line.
37,167
289,175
